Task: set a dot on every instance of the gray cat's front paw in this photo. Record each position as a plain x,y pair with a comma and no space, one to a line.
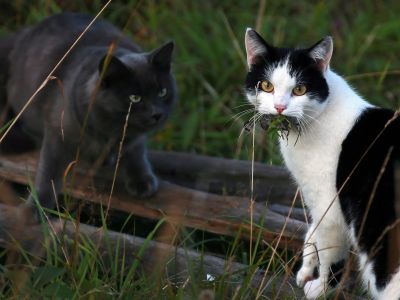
143,187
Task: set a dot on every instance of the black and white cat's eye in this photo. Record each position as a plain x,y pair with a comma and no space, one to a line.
162,93
299,90
135,98
267,86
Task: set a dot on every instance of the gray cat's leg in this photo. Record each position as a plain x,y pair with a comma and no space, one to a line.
51,166
139,177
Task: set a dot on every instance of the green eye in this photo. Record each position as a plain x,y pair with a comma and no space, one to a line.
162,92
135,98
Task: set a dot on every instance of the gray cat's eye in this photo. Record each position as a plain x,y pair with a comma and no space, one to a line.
162,92
135,98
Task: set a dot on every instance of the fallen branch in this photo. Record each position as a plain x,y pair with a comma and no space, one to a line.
218,214
225,176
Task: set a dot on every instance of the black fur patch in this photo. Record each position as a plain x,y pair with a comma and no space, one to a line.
301,66
357,192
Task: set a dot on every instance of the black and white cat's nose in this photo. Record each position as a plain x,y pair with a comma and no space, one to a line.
280,108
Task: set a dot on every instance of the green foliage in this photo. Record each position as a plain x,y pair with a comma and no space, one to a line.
210,68
210,58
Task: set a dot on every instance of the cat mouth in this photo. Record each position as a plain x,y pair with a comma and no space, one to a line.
279,123
148,124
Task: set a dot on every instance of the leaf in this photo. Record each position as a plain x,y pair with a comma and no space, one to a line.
58,290
46,274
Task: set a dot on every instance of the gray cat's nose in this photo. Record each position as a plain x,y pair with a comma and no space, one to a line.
156,117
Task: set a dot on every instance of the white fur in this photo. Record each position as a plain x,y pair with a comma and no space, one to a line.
368,276
365,267
392,290
314,289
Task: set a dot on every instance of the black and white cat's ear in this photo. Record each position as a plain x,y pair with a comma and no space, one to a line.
256,47
321,52
161,57
111,67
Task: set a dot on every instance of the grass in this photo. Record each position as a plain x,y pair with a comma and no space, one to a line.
93,272
210,67
209,62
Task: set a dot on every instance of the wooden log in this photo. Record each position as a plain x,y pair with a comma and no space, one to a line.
218,214
224,176
296,213
150,255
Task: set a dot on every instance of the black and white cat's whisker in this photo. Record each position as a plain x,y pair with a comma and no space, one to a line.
243,105
310,124
238,115
307,127
307,112
247,128
251,123
254,120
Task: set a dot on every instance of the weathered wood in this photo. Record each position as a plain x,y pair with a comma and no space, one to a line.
224,176
296,213
214,213
152,256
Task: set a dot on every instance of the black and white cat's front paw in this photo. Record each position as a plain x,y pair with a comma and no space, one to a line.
143,187
304,275
315,289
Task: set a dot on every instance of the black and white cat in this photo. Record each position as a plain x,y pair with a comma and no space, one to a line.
335,151
56,116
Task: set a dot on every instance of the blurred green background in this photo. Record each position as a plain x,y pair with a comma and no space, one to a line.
210,68
209,61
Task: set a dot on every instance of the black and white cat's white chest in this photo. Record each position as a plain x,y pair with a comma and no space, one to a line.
312,156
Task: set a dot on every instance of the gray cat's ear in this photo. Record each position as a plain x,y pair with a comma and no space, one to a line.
256,47
161,57
321,52
111,68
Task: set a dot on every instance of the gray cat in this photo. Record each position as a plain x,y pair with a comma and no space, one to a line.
55,118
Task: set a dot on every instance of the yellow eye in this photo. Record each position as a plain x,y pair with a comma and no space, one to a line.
267,86
299,90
